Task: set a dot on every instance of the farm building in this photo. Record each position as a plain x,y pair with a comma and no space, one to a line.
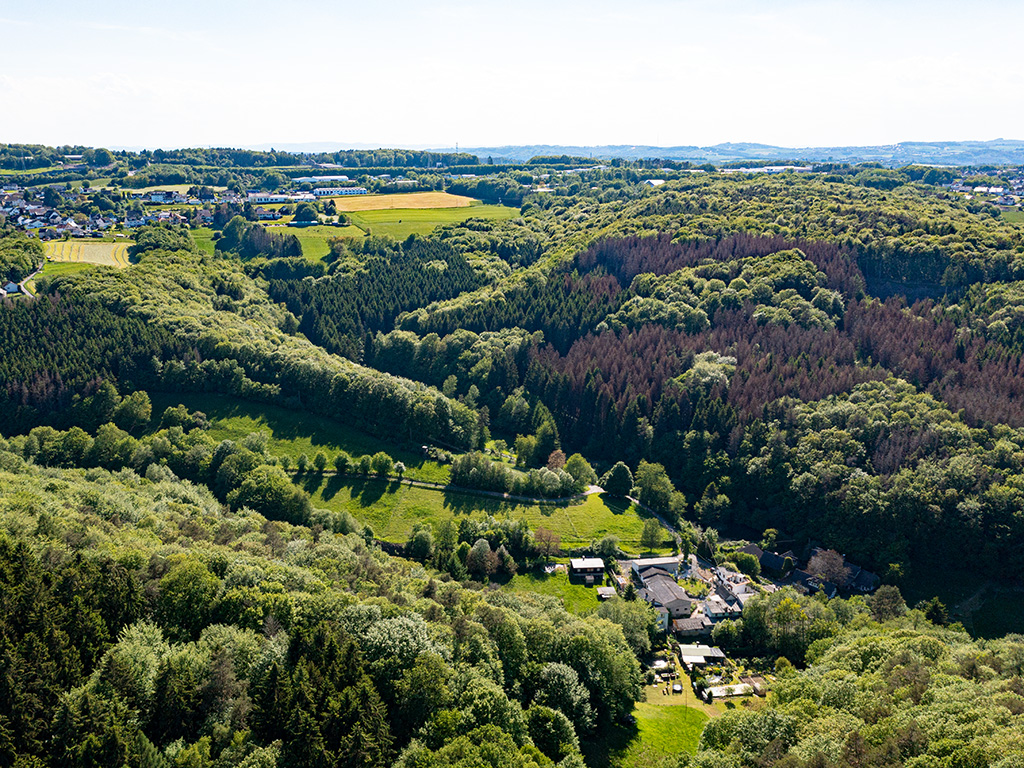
318,179
338,191
700,655
587,567
668,564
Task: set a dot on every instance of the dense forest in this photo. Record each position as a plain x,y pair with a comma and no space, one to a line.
835,357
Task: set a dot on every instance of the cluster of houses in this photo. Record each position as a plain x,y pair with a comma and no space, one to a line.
1008,195
656,580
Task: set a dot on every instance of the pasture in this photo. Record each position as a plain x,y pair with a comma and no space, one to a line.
314,240
399,223
109,254
665,727
1014,217
293,433
407,200
576,598
392,509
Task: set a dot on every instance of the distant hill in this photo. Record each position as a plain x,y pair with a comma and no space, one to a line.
995,152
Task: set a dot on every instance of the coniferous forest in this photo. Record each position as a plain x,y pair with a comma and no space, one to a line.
833,358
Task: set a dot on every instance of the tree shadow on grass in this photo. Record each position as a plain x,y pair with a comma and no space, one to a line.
617,504
310,481
614,742
369,490
334,484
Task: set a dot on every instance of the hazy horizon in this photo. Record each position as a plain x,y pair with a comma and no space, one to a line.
485,74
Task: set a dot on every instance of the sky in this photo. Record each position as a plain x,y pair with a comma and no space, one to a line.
481,73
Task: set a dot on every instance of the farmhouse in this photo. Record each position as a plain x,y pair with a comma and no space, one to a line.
590,568
662,591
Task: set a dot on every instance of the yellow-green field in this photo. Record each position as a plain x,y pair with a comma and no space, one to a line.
399,223
407,200
314,239
89,251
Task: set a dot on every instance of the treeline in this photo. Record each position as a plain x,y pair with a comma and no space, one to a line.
57,349
250,241
336,312
19,255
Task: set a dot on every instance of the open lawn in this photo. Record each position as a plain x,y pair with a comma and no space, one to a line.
110,254
403,201
204,238
392,509
577,598
663,729
1016,217
399,223
293,432
59,268
314,239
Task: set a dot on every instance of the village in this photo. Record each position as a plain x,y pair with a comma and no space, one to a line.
691,596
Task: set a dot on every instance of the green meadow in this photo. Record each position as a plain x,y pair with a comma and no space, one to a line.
389,507
399,223
293,433
392,509
576,598
314,240
662,731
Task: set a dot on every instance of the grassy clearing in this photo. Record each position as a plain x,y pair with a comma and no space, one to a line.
399,223
27,171
109,254
665,726
293,432
576,597
58,269
1015,217
392,509
204,239
402,201
315,239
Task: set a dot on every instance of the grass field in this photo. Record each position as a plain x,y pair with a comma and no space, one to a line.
293,432
110,254
1016,217
392,509
314,239
59,268
204,238
577,598
402,201
399,223
665,726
